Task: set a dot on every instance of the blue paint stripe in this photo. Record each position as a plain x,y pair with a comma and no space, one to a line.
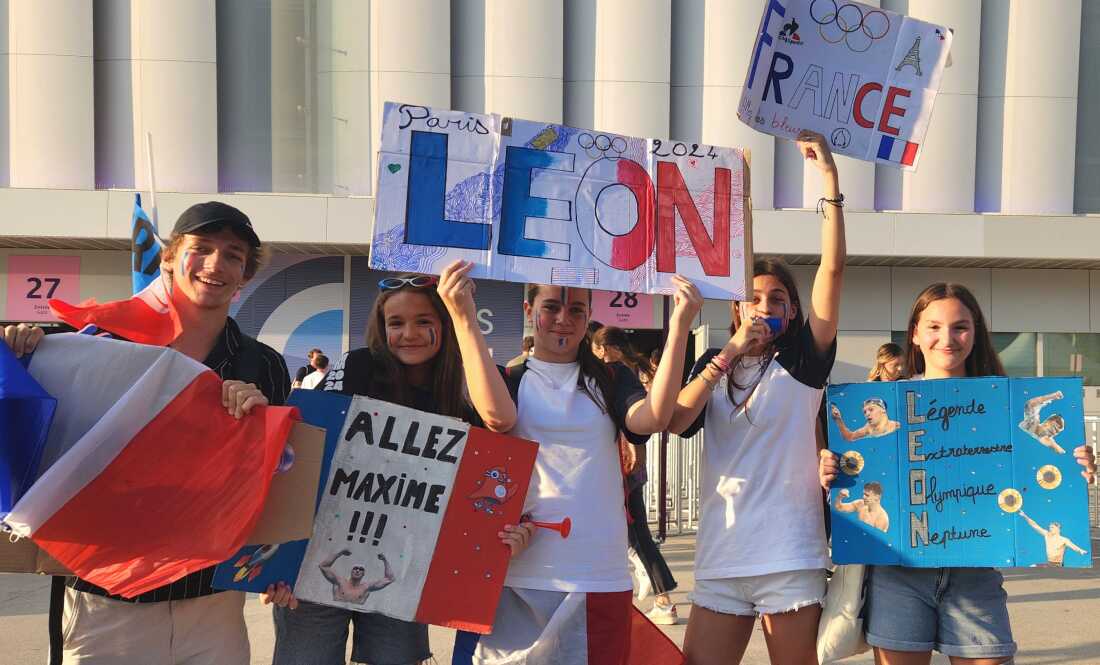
885,147
465,646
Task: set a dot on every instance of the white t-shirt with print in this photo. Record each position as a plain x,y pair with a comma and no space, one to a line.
313,379
577,475
761,508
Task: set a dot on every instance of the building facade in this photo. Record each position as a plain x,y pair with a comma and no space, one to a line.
274,106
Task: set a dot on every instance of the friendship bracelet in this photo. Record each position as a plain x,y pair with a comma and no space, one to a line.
838,202
721,363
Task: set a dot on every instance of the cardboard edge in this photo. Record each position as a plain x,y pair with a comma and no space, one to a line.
746,201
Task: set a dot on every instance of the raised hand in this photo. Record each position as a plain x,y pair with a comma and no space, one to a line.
456,289
815,149
687,301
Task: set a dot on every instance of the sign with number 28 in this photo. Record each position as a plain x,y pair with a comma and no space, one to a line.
33,280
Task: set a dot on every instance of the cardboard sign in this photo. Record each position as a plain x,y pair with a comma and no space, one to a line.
32,280
959,472
407,518
281,520
863,77
626,310
545,203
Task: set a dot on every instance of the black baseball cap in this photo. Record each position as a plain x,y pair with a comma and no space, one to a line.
216,212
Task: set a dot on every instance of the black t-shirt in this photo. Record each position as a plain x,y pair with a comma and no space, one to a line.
356,374
800,358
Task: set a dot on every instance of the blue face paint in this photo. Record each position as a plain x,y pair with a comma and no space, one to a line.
561,342
183,262
431,336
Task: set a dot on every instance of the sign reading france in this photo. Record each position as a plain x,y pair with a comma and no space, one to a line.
959,472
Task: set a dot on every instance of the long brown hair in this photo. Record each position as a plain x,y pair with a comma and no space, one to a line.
776,268
591,366
887,352
617,338
448,386
983,359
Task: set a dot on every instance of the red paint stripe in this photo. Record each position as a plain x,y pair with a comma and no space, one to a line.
468,542
609,627
910,154
184,494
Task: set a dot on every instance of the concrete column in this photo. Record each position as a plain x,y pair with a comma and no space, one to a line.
617,62
1027,106
508,57
711,44
368,53
944,179
156,71
48,106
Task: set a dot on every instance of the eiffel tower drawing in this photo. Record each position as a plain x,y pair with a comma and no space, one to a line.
912,58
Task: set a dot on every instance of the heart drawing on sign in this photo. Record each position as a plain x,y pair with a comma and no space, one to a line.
394,168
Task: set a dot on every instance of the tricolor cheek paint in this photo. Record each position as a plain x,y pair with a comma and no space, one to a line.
431,336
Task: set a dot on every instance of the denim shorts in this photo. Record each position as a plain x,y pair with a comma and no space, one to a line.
959,612
318,635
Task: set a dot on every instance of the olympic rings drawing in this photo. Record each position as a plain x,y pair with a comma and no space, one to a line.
847,23
601,143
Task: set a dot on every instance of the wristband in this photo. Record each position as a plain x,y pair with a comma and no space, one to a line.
721,363
838,202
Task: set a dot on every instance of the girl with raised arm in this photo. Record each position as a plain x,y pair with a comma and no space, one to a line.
761,543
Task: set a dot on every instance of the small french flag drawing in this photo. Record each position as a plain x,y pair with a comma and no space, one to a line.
897,151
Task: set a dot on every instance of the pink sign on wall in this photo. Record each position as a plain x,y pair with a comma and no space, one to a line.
32,280
626,310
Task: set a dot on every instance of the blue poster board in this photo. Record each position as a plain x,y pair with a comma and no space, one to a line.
959,472
255,567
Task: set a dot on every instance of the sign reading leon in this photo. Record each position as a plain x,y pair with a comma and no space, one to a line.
540,202
865,78
959,472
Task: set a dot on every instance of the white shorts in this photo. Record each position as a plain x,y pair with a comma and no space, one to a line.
773,593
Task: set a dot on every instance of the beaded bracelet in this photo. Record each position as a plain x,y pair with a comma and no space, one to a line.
721,363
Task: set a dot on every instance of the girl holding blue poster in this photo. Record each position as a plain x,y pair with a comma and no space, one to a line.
425,351
960,612
761,544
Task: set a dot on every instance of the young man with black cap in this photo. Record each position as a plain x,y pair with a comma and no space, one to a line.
212,253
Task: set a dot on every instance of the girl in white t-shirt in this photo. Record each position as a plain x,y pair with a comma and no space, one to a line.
567,601
761,543
960,612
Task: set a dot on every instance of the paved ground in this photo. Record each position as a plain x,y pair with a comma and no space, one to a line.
1055,616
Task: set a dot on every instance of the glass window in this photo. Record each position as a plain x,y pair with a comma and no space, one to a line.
1086,194
1072,354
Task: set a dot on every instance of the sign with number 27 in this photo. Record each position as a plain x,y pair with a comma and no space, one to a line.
32,280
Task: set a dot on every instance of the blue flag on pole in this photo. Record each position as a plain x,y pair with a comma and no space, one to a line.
26,411
145,247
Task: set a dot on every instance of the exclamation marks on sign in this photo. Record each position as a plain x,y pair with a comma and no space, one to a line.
368,522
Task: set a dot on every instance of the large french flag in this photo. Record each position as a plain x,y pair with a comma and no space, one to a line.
146,318
145,477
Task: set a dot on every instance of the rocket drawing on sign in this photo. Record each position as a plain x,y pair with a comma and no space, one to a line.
252,565
494,488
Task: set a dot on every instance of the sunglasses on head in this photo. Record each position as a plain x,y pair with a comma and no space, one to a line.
419,282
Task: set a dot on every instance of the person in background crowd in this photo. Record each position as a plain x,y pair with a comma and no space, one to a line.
528,344
307,369
889,363
612,345
314,379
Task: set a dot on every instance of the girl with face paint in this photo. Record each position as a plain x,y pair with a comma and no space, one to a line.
960,612
761,547
576,407
424,350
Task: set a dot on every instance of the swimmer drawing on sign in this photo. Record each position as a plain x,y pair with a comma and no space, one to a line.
869,507
353,589
878,421
1044,431
1056,542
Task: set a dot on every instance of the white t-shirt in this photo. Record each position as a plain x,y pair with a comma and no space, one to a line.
761,506
313,379
577,475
